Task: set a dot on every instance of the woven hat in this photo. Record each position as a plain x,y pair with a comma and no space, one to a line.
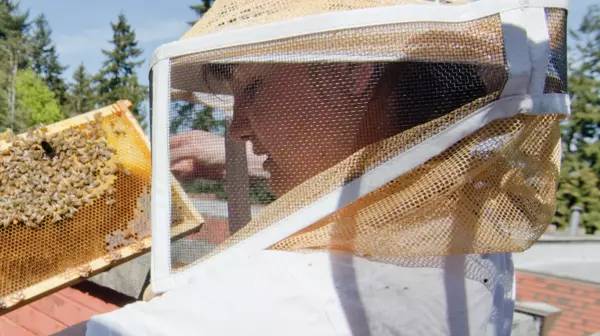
449,144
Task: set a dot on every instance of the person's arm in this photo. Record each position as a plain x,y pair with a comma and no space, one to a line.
201,155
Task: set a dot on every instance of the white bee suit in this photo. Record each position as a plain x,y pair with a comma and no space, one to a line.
284,293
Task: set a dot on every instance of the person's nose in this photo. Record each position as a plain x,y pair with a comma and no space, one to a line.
240,129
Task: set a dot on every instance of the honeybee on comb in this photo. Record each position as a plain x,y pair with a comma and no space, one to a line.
47,178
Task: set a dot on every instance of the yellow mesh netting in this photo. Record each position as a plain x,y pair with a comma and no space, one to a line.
470,199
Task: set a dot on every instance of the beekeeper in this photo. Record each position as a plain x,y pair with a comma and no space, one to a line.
407,155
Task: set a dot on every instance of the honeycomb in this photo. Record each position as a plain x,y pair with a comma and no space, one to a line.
75,196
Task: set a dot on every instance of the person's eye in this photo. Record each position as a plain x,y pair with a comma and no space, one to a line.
250,91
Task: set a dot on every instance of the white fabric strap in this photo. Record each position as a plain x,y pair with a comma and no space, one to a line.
527,46
161,172
516,47
339,20
372,180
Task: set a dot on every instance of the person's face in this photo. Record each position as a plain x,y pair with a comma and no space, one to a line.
304,123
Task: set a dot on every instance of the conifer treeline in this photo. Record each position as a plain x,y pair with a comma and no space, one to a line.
33,88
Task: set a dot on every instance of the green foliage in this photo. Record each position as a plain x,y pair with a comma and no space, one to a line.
13,22
206,187
36,103
81,94
14,26
29,45
195,117
44,59
259,191
118,78
40,44
579,183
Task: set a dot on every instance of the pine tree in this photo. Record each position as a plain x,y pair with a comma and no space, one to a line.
579,183
201,9
40,44
118,77
13,22
81,93
44,59
14,26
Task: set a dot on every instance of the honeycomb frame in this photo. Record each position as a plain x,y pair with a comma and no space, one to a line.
31,286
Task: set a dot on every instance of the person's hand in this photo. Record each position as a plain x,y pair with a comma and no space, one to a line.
197,154
201,155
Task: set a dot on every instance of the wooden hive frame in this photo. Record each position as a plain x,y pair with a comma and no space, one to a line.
190,221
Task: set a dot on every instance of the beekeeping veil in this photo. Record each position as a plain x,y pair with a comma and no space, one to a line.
386,128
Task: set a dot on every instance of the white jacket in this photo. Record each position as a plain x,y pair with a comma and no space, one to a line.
321,293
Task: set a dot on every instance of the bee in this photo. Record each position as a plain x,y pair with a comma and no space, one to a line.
110,201
79,184
89,189
62,188
109,171
80,143
102,178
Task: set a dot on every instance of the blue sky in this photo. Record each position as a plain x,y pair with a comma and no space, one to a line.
82,28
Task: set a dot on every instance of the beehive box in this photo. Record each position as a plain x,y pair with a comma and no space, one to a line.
74,201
